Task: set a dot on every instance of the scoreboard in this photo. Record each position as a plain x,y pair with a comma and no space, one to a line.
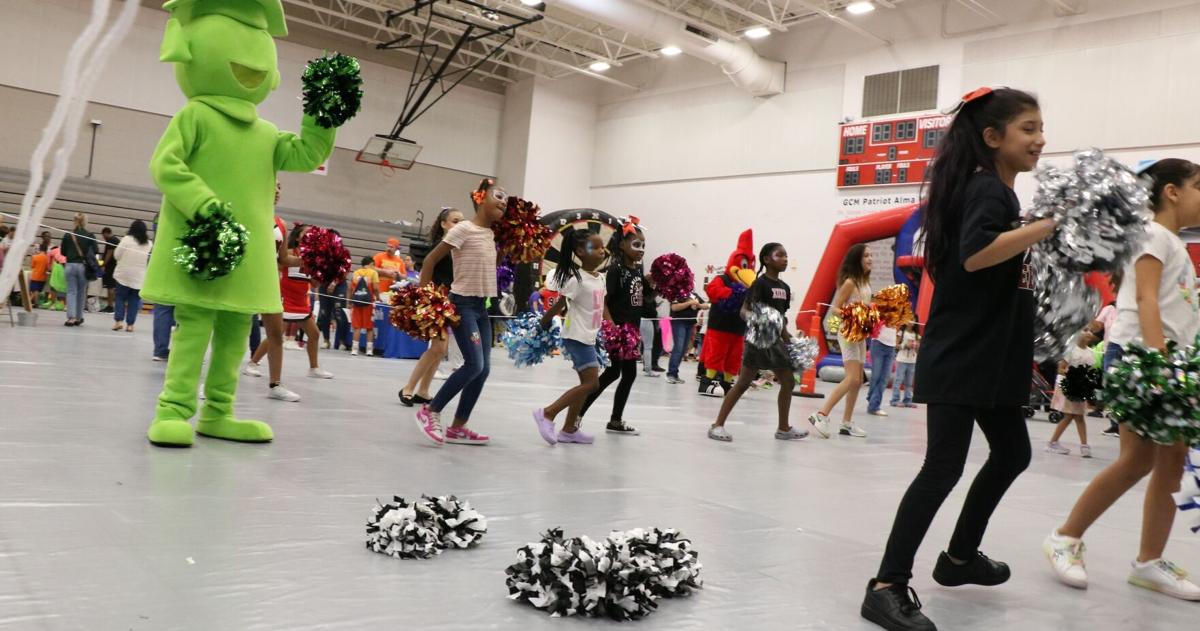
889,152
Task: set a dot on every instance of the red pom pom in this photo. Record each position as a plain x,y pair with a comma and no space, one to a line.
622,341
324,256
423,312
673,279
520,234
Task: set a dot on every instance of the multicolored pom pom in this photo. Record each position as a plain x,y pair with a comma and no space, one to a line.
527,342
622,577
324,255
424,528
213,244
622,341
520,234
332,89
673,279
858,320
764,324
424,312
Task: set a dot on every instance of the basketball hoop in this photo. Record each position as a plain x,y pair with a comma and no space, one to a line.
389,153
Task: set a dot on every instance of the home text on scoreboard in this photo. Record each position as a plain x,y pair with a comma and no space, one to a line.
888,152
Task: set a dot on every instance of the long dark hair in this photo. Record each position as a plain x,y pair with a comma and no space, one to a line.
852,267
618,236
1168,171
567,268
766,251
437,231
961,153
137,230
294,236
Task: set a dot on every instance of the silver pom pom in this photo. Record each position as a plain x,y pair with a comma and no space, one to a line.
803,351
763,325
1065,304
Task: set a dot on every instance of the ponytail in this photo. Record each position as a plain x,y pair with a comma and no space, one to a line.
1169,171
567,267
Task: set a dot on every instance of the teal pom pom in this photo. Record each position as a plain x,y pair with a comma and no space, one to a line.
213,245
332,89
527,342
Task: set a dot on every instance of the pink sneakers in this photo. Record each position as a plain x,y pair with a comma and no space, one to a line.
577,437
464,436
545,426
430,423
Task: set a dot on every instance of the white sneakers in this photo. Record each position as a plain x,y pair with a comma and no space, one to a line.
252,370
1057,448
821,423
1066,559
292,345
281,393
319,373
1165,577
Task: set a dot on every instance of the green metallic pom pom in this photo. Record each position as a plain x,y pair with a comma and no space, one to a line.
213,244
332,89
1156,395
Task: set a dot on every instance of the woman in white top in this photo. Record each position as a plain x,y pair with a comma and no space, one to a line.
133,252
854,285
1156,304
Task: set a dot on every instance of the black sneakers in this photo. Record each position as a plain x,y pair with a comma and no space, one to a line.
708,388
978,571
1113,430
619,427
895,608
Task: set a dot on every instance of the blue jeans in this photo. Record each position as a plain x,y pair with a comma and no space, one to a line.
904,377
164,320
474,338
76,290
881,368
680,331
128,304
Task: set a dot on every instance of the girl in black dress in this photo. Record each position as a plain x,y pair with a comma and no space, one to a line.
976,360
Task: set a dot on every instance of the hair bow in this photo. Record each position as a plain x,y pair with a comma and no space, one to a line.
480,194
631,225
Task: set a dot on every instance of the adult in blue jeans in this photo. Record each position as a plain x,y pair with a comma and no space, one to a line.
164,321
883,352
684,314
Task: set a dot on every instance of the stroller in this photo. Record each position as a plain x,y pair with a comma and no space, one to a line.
1041,392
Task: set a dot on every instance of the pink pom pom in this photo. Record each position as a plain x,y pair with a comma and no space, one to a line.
324,256
622,341
673,279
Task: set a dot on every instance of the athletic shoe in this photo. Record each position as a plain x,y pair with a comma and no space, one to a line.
441,376
726,386
430,423
325,344
649,373
282,394
1066,559
577,437
821,423
1113,431
877,413
1056,448
791,434
894,404
657,368
464,436
545,426
1163,576
911,405
852,430
674,380
319,373
1096,414
354,352
118,326
980,570
251,370
708,388
159,358
292,345
895,608
719,433
1085,451
619,427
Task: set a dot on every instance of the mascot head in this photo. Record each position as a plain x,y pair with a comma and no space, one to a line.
224,47
740,266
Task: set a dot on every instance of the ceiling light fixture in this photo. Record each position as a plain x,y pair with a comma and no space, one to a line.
531,3
670,51
859,8
599,66
757,32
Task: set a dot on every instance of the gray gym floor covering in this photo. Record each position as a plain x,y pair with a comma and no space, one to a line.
100,530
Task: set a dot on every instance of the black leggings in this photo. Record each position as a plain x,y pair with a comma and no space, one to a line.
949,429
626,370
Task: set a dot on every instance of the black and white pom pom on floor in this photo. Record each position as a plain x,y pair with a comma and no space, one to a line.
100,530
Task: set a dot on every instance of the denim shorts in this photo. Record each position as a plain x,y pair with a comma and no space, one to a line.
583,356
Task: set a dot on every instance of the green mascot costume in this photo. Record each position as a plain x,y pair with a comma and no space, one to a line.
217,153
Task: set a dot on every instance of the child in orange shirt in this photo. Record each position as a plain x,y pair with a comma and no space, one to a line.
39,273
362,292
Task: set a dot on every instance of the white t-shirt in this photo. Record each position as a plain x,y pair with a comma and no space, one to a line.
585,305
1176,292
131,258
1080,356
887,336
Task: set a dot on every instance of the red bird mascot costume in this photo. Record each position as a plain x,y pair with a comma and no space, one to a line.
722,351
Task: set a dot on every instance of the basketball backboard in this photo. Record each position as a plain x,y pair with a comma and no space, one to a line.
396,153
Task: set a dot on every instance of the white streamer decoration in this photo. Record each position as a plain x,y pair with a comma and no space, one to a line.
78,80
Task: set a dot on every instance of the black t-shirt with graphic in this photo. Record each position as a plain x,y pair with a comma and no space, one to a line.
774,293
978,344
627,295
